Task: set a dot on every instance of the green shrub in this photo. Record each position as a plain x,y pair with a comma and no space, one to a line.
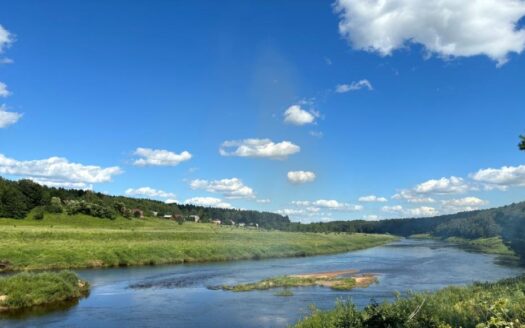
38,213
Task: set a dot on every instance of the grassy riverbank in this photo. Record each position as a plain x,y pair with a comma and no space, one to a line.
491,245
64,242
500,304
26,290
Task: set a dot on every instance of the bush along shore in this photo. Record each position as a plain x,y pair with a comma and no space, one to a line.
481,305
24,291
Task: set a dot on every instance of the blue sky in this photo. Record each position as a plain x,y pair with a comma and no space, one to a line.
315,105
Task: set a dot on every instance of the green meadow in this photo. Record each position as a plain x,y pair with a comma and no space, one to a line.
60,241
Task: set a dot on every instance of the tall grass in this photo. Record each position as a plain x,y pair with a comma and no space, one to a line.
25,290
482,305
64,242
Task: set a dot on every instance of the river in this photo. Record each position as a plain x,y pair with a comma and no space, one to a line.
178,295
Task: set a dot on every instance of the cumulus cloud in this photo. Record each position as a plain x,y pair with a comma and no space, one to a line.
149,192
450,185
263,148
423,211
57,170
171,201
62,184
160,157
298,177
372,199
8,118
3,90
208,202
354,86
329,204
504,177
6,38
463,204
229,188
447,28
297,116
411,197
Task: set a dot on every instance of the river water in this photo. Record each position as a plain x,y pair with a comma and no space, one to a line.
178,295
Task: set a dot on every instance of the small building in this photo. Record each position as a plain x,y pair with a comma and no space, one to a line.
217,222
168,216
242,224
232,222
195,218
137,213
154,213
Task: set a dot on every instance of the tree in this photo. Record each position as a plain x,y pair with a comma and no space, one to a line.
522,143
12,202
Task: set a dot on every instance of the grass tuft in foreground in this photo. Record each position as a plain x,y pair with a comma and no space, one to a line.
482,305
26,290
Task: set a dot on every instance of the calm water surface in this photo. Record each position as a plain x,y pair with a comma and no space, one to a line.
178,296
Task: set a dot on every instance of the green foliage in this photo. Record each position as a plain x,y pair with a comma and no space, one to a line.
25,290
55,205
522,143
471,228
82,207
13,203
481,305
38,213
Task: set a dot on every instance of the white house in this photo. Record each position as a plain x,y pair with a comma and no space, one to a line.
195,218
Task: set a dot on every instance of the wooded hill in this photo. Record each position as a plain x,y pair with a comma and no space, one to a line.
19,198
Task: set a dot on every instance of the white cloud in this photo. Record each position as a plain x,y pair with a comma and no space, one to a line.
264,148
159,157
57,170
298,116
62,184
301,176
423,211
354,86
450,185
466,201
149,192
372,199
208,202
3,90
264,201
411,197
329,204
229,188
504,177
448,28
8,118
171,201
317,134
371,217
5,38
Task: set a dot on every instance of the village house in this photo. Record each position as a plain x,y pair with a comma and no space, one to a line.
217,222
195,218
242,225
168,216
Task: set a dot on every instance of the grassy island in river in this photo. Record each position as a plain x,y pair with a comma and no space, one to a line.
26,290
60,241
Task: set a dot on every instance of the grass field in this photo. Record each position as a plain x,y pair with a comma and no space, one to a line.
25,290
66,242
